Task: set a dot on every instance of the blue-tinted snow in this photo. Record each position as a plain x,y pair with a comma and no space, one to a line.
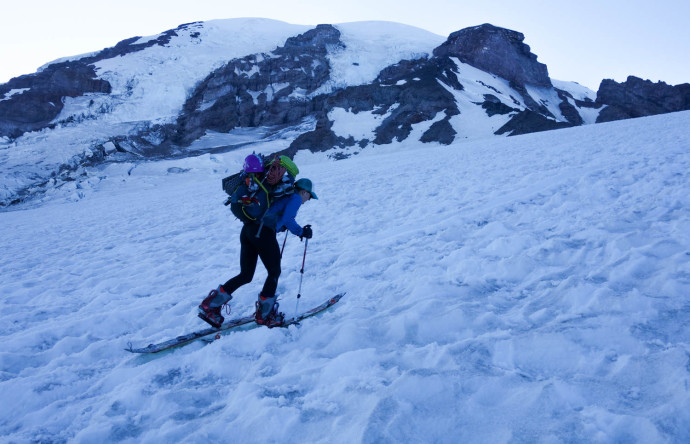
522,289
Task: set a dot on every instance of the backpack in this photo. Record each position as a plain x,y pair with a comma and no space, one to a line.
260,182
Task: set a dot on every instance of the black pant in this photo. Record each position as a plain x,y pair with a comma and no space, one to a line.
265,247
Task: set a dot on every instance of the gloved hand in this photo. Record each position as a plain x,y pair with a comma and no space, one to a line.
306,232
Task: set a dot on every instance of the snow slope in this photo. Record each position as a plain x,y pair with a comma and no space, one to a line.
523,289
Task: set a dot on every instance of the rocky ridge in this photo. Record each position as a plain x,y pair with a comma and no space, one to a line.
638,98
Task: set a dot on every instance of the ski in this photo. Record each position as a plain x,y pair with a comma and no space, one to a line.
234,323
190,337
296,319
314,311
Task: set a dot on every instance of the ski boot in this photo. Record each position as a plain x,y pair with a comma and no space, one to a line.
209,309
267,312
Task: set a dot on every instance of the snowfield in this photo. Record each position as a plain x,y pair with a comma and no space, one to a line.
505,290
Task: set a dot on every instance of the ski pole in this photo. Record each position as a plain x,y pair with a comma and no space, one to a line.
284,241
301,276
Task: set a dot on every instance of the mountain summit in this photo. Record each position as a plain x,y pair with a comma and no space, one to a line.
498,51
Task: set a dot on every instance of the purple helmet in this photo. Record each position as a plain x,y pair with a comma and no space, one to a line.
253,164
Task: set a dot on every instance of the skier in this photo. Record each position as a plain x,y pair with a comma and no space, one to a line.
259,241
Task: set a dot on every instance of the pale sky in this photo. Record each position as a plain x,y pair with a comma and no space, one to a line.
583,41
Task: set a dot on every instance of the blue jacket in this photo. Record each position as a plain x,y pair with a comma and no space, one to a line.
282,214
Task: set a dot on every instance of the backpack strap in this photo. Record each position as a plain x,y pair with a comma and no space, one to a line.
261,184
268,205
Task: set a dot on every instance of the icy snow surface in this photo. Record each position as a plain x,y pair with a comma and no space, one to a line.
373,45
522,289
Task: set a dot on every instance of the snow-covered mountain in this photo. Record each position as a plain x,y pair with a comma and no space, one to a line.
211,86
145,82
503,290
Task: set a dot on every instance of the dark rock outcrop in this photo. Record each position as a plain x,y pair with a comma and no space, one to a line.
42,93
637,98
567,109
261,89
441,132
528,121
40,99
321,136
498,51
407,92
492,105
419,96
